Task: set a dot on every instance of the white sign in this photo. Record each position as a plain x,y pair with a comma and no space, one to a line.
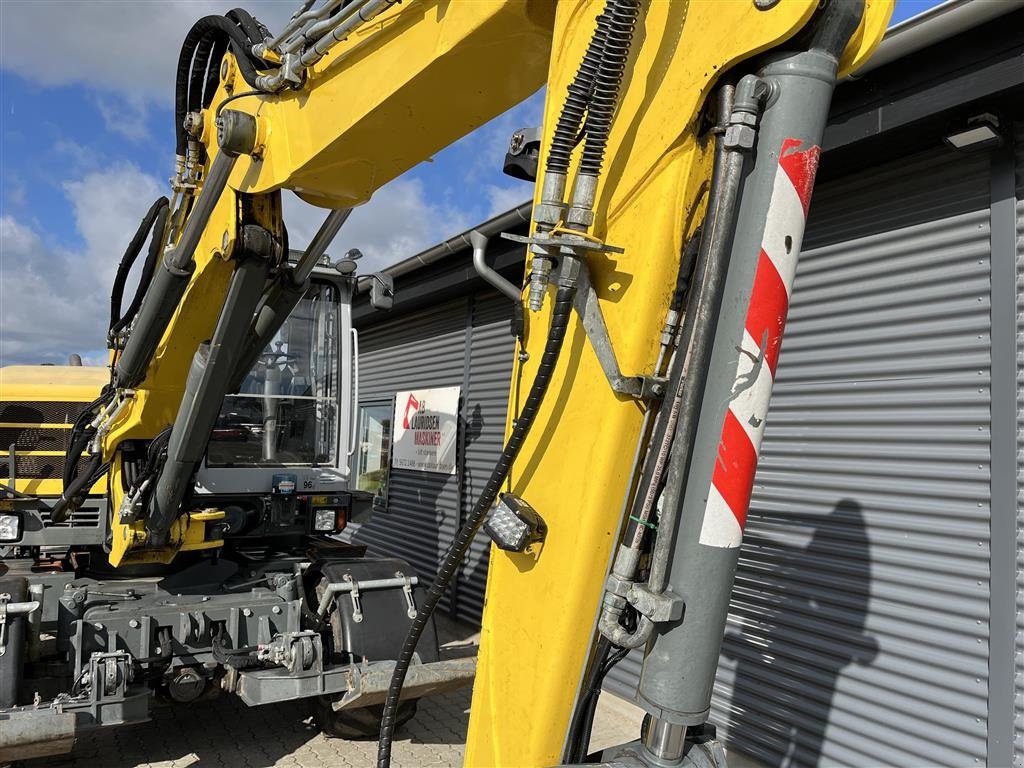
426,429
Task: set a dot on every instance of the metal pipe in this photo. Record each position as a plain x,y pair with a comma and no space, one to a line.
699,328
518,215
19,609
294,25
686,386
353,437
209,379
318,245
933,26
313,33
479,242
168,286
366,12
341,587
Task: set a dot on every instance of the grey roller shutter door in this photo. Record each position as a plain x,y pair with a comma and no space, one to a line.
491,352
1018,748
421,349
466,343
858,629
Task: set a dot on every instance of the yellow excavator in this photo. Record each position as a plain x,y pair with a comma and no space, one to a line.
187,539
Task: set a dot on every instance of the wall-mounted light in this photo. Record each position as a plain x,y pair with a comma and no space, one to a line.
981,132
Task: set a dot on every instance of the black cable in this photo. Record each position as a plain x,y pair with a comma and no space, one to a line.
561,313
239,658
153,221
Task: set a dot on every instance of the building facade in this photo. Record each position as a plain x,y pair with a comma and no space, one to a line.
877,613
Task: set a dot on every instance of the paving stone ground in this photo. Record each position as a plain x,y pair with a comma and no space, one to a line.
223,732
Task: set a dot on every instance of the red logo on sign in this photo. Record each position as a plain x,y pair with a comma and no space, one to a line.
411,406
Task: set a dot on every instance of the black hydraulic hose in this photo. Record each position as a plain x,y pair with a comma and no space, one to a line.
584,709
561,313
156,215
181,85
81,434
607,80
570,119
252,28
156,248
208,26
69,500
213,71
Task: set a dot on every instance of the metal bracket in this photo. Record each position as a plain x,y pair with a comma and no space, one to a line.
587,305
357,608
410,603
5,598
353,587
589,309
555,243
657,607
8,608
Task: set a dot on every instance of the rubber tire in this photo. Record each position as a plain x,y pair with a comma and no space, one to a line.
357,724
12,662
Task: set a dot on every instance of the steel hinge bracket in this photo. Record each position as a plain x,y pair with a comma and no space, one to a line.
589,309
410,602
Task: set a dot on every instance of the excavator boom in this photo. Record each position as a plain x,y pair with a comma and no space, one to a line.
677,158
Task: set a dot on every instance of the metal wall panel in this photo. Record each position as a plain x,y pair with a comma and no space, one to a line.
421,349
431,348
857,633
1018,744
858,628
491,352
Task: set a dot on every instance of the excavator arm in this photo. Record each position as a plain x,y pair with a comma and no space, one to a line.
678,153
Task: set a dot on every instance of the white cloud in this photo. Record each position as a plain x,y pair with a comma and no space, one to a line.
127,117
54,300
125,47
506,198
396,223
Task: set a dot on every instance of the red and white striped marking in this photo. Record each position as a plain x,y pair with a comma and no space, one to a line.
729,496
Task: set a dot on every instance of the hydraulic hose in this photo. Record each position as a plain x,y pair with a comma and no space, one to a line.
252,28
561,313
622,16
211,27
157,214
213,71
198,70
570,118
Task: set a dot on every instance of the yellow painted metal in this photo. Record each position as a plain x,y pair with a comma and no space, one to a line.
26,384
539,613
417,78
156,399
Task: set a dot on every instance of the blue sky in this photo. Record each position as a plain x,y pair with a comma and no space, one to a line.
86,144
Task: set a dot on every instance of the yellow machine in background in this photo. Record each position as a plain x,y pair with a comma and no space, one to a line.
678,152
